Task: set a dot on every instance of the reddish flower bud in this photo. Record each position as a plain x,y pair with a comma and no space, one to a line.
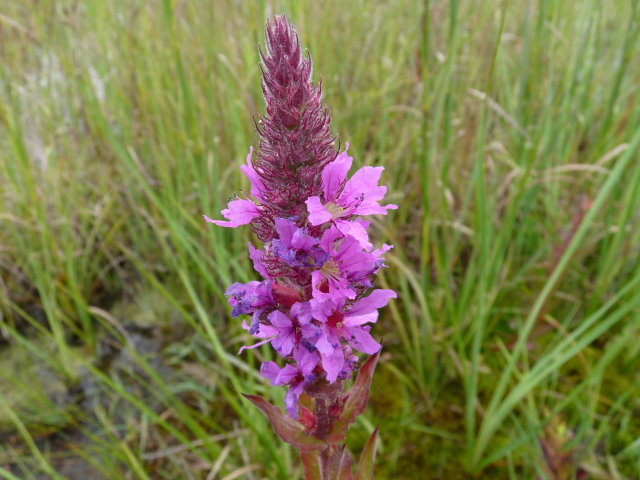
295,137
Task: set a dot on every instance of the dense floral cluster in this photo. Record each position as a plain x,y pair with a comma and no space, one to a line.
317,301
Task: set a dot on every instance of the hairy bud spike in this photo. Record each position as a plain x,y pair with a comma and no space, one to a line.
295,137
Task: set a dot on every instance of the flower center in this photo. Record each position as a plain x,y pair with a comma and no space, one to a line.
335,320
330,270
335,210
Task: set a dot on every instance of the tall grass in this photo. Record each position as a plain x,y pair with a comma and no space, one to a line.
510,136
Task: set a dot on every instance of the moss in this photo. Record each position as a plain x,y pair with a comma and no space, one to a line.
39,394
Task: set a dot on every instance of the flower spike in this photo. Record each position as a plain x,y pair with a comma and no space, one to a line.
316,302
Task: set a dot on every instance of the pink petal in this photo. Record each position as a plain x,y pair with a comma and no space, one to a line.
372,208
324,346
322,308
286,229
378,298
287,374
291,399
317,213
333,363
355,230
239,212
378,252
352,258
361,340
279,320
356,320
316,278
302,312
363,190
334,174
257,187
338,289
256,256
302,241
364,181
283,343
309,331
329,237
365,223
307,360
270,371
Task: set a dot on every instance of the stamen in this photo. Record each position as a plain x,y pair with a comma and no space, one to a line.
246,347
330,270
334,209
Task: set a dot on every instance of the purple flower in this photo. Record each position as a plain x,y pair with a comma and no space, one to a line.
342,198
295,247
316,259
298,331
346,267
284,333
251,298
349,326
296,376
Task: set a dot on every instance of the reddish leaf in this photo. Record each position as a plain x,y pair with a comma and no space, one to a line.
344,472
286,427
334,463
355,400
367,460
307,419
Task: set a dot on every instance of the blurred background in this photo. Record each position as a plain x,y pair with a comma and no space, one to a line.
509,131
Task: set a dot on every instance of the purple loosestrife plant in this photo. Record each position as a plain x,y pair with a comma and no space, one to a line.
317,300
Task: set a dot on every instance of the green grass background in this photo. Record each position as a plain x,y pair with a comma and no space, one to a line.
509,131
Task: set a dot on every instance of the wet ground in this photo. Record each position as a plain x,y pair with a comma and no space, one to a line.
58,410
